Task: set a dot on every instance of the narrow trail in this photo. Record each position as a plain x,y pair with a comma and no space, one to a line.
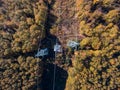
68,25
61,14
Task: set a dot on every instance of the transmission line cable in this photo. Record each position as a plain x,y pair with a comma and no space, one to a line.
54,77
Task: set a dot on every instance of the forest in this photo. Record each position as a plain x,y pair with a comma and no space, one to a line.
59,44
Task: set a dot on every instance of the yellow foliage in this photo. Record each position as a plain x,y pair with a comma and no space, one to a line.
84,42
112,61
79,2
97,53
96,43
113,15
92,69
95,1
30,21
99,49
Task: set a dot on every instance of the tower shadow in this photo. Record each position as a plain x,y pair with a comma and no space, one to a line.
49,41
48,78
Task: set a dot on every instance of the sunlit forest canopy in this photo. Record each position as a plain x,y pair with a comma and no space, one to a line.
29,26
21,28
96,65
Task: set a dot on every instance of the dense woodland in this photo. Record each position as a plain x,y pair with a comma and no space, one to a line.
26,25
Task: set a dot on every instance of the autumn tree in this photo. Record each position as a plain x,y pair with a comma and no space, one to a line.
22,26
21,73
97,64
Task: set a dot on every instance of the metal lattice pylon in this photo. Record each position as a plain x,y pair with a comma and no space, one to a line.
42,52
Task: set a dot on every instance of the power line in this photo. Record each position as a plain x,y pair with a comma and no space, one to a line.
54,77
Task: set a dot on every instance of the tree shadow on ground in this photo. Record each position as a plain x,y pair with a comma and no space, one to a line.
48,77
48,42
48,73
